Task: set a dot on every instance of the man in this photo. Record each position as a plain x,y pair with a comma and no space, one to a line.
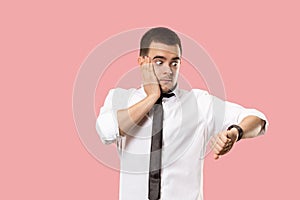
162,131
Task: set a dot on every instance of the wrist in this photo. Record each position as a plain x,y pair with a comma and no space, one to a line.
237,130
152,98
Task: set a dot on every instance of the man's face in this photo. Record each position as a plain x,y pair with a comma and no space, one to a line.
166,61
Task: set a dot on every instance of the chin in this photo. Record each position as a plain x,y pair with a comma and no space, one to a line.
166,89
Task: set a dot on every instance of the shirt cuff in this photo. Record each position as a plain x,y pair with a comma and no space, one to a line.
107,127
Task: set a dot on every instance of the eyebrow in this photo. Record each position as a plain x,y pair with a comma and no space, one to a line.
162,57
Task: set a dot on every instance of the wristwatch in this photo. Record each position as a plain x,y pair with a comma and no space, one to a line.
240,130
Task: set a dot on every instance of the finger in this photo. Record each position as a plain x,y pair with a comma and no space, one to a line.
227,147
212,141
145,60
141,60
216,157
148,64
220,142
224,151
148,59
217,149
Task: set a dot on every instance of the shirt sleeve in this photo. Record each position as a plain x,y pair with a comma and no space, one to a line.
107,123
221,114
235,113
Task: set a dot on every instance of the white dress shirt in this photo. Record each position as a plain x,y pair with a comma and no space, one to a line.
190,119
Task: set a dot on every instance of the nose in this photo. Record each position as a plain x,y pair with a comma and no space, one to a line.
167,70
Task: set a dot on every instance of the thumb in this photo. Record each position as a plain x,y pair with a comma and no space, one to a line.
229,134
216,157
233,136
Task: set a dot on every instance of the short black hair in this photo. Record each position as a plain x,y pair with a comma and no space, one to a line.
161,35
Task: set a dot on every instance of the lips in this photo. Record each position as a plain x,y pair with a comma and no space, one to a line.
165,79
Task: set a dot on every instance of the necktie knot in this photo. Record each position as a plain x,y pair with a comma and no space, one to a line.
164,95
167,95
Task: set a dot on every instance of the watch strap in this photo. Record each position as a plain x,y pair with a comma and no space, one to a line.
240,130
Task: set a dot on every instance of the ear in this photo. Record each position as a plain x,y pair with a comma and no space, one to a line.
140,60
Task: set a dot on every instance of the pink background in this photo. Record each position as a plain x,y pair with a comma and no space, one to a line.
255,45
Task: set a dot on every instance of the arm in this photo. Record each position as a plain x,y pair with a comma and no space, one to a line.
130,117
251,126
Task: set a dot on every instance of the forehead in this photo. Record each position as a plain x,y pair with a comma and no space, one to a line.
161,49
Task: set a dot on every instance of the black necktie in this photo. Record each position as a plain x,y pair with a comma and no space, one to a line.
156,147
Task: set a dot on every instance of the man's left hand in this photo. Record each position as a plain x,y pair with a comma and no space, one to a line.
223,142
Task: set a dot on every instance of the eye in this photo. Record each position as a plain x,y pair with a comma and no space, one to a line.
174,64
158,62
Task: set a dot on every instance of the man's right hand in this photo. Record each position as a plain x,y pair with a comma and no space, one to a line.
150,82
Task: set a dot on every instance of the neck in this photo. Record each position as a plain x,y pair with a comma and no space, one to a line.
171,90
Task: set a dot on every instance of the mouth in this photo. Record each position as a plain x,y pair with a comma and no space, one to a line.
166,79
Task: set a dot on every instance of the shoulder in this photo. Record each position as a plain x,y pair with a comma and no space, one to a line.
198,93
122,91
120,94
202,97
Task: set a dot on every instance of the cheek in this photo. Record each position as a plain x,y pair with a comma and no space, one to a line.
157,70
175,71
